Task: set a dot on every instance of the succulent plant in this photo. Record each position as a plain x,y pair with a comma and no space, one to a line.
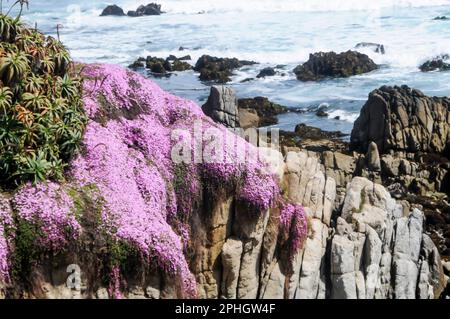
41,115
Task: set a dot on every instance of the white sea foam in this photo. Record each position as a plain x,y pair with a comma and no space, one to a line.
221,6
343,115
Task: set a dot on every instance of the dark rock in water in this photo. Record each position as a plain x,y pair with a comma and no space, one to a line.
161,66
222,106
182,48
151,9
132,13
403,119
378,48
330,64
266,72
337,118
266,110
137,64
441,18
185,58
247,80
321,113
218,69
112,10
436,64
158,65
180,66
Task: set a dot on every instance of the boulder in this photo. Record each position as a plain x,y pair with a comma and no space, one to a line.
330,64
112,10
436,64
403,119
218,69
222,106
266,72
150,9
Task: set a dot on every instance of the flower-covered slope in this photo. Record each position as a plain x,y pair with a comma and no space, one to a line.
143,198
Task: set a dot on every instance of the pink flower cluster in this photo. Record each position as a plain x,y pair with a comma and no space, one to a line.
293,222
51,210
128,159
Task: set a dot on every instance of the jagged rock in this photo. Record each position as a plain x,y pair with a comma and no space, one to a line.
147,10
180,66
436,64
267,111
402,119
218,69
222,106
330,64
266,72
376,47
112,10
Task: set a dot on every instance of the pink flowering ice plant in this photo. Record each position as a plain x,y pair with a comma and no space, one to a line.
146,197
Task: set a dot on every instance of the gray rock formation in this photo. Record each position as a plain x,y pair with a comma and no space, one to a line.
403,119
222,106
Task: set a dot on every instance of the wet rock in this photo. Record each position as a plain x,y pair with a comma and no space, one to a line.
321,113
146,10
180,66
436,64
112,10
222,106
441,18
218,69
376,47
267,111
158,65
330,64
266,72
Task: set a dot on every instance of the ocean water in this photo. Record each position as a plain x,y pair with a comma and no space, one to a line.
271,32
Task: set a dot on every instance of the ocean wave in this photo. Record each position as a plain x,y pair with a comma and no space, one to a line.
225,6
343,115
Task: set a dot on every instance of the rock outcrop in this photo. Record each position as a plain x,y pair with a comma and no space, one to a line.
151,9
436,64
112,10
160,66
218,69
403,119
266,110
330,64
222,106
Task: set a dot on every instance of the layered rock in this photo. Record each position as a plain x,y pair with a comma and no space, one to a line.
222,106
403,119
330,64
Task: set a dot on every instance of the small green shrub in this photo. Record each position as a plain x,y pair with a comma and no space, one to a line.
41,115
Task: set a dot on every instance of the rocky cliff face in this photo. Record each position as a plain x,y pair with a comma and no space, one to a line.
141,226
